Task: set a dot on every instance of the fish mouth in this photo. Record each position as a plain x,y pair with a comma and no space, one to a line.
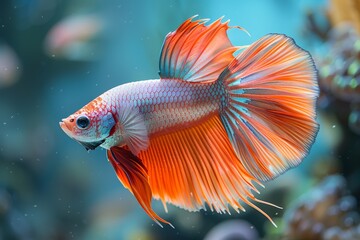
91,145
65,127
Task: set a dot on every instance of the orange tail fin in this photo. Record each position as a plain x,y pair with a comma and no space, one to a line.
269,113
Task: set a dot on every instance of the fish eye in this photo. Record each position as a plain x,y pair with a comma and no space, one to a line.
82,122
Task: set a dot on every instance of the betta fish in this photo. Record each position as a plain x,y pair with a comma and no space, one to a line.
220,120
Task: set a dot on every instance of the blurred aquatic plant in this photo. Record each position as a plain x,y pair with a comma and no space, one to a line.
326,212
73,37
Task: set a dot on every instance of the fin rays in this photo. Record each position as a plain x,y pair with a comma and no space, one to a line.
197,166
273,129
266,123
132,173
195,52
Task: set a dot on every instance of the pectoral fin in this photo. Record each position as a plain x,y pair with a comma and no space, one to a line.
132,173
133,128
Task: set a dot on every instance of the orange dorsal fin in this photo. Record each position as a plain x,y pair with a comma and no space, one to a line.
195,52
132,173
270,115
195,167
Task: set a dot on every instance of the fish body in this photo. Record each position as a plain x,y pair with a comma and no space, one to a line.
164,106
212,125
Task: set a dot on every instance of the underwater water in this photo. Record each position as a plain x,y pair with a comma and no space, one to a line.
56,56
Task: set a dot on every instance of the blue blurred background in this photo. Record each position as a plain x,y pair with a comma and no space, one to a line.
55,56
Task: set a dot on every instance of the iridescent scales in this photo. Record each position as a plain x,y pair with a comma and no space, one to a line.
167,104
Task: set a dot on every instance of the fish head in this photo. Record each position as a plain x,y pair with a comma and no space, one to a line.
91,125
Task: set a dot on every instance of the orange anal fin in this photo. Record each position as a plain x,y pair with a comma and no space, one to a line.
132,173
196,167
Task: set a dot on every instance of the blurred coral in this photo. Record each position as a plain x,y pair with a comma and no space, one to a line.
327,212
354,119
339,74
342,11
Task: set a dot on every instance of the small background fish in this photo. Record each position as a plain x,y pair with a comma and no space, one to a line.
47,177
